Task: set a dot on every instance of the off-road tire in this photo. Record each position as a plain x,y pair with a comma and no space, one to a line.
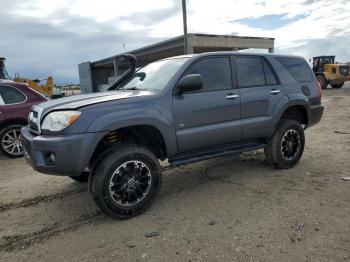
5,131
274,151
338,85
323,81
84,177
102,175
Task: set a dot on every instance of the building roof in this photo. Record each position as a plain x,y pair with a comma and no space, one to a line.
202,42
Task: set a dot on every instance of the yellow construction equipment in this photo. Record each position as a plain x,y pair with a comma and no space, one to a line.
46,89
329,72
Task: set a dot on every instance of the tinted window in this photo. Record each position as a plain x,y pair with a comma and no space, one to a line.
250,71
216,73
298,68
1,101
11,95
269,75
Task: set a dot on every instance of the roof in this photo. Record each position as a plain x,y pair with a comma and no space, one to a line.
217,53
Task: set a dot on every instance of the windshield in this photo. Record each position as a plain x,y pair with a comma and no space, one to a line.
328,60
155,76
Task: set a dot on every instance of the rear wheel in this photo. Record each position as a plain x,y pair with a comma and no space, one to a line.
323,82
126,181
10,141
338,85
286,146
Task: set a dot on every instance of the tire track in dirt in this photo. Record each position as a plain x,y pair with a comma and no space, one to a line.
38,199
15,242
48,198
22,241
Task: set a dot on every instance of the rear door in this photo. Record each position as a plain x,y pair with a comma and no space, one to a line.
209,116
15,105
2,110
260,93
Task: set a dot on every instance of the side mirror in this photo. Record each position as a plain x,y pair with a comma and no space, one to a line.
188,83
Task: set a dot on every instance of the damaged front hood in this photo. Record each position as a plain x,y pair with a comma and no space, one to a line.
79,101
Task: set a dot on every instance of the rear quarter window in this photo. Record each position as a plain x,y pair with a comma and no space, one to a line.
297,67
11,95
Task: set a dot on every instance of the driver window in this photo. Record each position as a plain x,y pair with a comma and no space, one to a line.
216,73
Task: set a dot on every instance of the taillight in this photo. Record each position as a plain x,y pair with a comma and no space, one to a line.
319,88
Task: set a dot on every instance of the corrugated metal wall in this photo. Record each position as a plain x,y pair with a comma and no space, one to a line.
85,76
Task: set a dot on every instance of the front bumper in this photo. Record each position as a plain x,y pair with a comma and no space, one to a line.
72,152
316,113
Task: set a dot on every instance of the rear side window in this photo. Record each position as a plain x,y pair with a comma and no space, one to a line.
11,95
270,76
298,68
250,72
216,73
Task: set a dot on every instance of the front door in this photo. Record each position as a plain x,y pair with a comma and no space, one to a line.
209,116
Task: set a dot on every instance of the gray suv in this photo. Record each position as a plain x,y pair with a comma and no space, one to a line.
183,109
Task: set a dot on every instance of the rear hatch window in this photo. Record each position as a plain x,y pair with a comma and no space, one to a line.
298,68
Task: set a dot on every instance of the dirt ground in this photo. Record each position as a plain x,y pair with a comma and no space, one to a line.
216,210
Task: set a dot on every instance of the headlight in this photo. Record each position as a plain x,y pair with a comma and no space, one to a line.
57,121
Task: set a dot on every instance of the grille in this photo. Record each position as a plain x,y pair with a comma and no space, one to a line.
34,120
344,70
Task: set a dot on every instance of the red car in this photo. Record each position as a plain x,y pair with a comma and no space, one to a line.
16,101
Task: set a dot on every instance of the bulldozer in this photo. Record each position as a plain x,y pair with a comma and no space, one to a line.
327,71
46,89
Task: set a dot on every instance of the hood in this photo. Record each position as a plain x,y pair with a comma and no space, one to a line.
6,81
75,102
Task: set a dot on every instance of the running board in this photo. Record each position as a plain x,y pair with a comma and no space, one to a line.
189,158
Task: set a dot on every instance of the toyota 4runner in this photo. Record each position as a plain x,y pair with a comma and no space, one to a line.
183,109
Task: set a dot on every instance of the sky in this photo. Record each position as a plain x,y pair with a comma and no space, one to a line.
51,37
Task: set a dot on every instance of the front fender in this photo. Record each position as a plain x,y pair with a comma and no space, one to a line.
133,117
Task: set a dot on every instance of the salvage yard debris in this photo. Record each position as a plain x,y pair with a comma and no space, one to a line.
152,234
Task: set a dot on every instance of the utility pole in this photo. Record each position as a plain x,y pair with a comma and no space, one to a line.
184,15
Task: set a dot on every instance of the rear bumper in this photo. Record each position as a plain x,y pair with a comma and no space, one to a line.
72,153
316,113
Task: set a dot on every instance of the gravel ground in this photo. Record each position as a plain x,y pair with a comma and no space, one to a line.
216,210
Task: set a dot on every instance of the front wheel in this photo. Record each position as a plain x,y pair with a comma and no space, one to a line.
126,181
323,82
10,141
338,85
287,145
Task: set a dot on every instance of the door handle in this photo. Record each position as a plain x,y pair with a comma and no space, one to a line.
275,91
232,96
